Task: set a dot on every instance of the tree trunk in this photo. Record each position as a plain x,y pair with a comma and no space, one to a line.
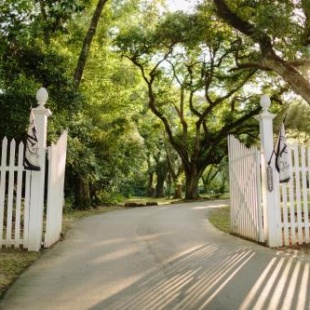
159,191
161,173
45,30
150,189
82,193
191,184
177,191
87,43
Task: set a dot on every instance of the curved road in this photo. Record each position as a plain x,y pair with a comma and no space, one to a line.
153,258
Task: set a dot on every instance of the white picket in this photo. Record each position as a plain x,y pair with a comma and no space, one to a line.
20,168
291,183
304,195
9,218
284,204
297,191
26,209
2,187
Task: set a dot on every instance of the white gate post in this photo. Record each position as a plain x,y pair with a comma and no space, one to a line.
38,177
270,183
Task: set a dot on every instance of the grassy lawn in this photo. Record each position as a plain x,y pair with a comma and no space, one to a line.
220,218
12,264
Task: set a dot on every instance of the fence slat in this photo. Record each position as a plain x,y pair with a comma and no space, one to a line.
26,209
292,198
9,218
3,187
19,195
304,195
298,193
283,202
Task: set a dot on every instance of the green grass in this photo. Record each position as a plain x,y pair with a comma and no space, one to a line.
220,218
12,264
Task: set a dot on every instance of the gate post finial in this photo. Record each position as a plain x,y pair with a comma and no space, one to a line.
265,103
42,96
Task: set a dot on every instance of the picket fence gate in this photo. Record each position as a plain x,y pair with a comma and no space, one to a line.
262,208
245,182
25,220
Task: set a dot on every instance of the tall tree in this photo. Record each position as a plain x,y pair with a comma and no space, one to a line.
87,42
40,50
190,88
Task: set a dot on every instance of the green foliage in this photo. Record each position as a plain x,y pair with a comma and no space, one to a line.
192,86
186,61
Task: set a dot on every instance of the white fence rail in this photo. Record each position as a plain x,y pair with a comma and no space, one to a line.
245,194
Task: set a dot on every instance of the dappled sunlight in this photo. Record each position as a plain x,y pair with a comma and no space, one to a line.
115,255
190,281
215,204
196,280
165,261
107,242
284,284
123,250
201,207
209,207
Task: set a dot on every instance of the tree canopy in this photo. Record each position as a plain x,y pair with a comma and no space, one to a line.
185,63
148,95
274,36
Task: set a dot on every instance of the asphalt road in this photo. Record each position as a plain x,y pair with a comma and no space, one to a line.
153,258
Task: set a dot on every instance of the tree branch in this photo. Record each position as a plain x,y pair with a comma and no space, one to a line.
87,43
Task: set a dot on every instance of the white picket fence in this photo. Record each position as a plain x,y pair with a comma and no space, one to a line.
14,205
245,193
295,198
15,184
25,221
262,209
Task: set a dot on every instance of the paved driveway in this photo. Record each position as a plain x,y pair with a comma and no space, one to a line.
153,258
